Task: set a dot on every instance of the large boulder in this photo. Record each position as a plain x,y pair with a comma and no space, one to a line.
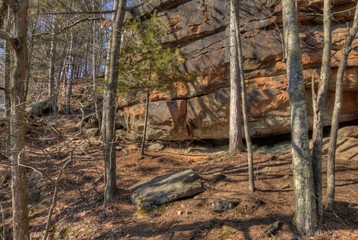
168,188
40,108
200,109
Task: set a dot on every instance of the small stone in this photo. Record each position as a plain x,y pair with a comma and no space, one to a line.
180,212
265,170
126,151
222,205
227,230
286,177
156,147
91,132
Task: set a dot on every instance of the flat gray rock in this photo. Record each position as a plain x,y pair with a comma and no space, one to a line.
167,188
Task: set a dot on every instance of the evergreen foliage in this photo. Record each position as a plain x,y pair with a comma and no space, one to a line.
146,65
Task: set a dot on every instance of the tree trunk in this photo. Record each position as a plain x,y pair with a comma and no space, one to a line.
70,78
94,72
305,209
235,134
7,76
336,111
144,136
17,119
52,83
244,98
31,47
60,75
106,75
319,109
110,104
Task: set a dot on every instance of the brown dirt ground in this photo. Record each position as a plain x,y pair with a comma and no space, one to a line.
80,213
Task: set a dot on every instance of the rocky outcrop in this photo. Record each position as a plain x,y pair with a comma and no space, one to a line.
200,110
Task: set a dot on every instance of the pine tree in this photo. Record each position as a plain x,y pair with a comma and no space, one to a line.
145,64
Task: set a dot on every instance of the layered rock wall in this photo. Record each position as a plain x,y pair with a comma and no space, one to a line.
199,28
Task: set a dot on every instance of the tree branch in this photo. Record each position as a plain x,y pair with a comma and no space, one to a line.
6,36
75,13
10,38
69,26
13,4
93,12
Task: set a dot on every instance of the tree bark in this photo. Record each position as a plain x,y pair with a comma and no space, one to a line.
17,122
60,76
71,64
305,209
94,72
235,134
144,136
7,76
106,75
319,109
52,83
336,112
250,160
31,47
110,104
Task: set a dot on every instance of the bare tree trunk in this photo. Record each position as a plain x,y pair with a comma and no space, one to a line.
305,209
70,78
110,104
146,113
60,74
336,112
106,76
244,98
52,85
17,119
7,76
31,47
94,71
235,134
319,110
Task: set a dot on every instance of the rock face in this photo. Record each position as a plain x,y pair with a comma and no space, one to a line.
200,110
167,188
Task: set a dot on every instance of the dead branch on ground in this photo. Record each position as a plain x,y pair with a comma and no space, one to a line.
54,197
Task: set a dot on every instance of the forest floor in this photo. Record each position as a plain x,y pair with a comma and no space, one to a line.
81,214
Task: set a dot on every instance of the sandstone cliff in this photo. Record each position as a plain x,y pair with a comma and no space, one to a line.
199,28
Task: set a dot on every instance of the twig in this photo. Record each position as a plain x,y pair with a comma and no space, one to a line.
54,197
270,232
3,222
42,173
334,212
